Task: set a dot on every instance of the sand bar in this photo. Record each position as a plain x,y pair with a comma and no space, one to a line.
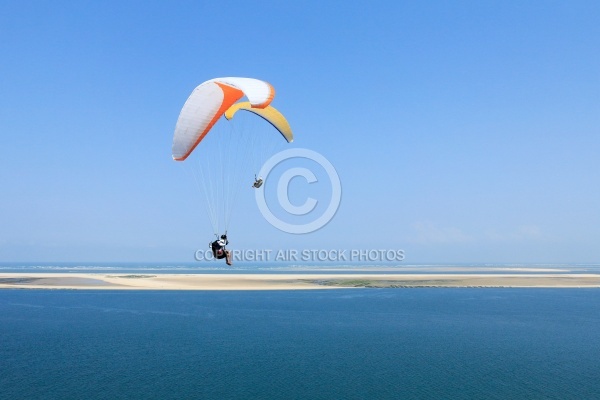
103,281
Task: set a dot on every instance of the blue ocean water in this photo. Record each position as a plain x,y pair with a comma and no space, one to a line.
272,267
434,343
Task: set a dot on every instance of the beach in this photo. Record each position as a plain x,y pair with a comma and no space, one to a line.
299,281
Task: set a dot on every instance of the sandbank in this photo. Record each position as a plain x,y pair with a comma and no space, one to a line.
103,281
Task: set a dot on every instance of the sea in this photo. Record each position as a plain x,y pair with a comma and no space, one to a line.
357,343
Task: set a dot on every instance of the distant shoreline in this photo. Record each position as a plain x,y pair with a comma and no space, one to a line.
299,281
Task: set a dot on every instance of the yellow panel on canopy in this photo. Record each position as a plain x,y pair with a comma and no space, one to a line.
269,114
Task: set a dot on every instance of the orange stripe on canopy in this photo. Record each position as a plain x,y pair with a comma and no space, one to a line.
230,96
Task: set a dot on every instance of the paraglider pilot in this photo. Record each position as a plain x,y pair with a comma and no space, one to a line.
219,250
257,182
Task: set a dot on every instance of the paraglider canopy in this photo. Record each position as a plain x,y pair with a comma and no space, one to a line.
208,102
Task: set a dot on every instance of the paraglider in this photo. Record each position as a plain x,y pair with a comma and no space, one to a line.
257,182
219,251
227,148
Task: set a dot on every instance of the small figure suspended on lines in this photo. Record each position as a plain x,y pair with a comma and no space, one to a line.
257,182
219,250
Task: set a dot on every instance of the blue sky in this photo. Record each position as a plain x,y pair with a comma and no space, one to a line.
462,131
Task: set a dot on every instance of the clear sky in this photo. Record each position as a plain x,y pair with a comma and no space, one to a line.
463,131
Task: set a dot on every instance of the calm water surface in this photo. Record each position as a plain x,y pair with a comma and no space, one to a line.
438,343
